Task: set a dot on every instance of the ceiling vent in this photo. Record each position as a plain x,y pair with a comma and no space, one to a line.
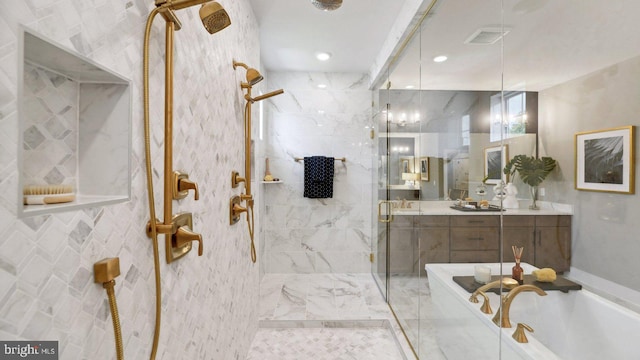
486,36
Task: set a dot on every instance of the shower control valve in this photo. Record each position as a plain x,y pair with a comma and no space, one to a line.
184,235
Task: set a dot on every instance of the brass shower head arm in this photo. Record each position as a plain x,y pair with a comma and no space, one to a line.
170,16
236,64
179,4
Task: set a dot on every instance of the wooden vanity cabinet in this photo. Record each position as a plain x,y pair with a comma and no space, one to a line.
475,238
433,239
402,245
553,242
519,231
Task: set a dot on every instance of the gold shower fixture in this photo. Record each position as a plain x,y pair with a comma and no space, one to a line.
253,77
175,228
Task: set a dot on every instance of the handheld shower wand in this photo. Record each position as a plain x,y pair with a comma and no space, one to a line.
253,77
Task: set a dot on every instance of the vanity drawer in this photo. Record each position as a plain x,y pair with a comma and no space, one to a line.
519,220
475,256
432,221
553,220
475,220
475,239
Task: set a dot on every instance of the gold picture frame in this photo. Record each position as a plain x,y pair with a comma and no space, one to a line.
495,159
605,160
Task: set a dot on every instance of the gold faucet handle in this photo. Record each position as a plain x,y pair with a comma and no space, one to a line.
184,236
186,185
520,334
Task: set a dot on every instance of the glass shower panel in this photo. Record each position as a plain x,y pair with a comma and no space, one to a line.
453,103
380,194
403,138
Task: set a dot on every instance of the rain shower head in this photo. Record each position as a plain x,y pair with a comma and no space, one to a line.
253,75
327,5
214,17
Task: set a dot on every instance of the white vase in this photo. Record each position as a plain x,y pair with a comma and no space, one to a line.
510,201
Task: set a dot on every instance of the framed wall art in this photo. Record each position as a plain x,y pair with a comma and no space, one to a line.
424,168
604,160
495,159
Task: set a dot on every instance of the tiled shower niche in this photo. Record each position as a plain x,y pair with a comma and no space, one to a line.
75,126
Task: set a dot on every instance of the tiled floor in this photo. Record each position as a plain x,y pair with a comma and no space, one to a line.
325,316
324,344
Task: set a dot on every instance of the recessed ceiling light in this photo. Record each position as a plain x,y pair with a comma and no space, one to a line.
320,111
323,56
440,58
409,87
322,86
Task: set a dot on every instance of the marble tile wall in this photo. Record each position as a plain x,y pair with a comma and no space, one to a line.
304,235
50,136
46,262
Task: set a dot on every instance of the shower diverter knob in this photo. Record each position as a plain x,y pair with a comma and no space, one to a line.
182,185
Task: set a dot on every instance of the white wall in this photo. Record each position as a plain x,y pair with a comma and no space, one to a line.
318,235
605,241
46,262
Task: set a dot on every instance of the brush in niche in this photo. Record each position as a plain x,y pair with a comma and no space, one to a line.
47,194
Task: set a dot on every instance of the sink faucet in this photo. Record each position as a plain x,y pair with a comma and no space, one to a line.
508,299
506,282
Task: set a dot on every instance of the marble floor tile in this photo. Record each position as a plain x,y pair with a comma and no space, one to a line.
324,314
324,344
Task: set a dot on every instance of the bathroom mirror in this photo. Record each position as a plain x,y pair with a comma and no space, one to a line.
403,149
452,129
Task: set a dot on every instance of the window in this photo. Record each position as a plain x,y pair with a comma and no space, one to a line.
464,129
515,122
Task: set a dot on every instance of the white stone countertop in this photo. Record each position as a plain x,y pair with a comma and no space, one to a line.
444,208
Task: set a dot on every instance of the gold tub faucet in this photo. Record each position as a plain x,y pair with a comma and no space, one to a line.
505,282
508,299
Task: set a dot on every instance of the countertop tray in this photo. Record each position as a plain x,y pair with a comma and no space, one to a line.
561,284
491,208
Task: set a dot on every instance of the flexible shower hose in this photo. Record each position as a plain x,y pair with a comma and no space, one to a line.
247,154
152,209
251,226
115,317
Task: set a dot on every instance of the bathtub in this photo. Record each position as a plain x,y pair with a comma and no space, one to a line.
575,325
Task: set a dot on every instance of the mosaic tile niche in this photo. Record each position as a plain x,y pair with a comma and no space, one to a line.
75,119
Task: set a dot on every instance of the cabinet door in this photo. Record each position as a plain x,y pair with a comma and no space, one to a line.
520,237
434,245
553,248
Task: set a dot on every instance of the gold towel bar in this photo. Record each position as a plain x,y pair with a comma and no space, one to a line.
343,159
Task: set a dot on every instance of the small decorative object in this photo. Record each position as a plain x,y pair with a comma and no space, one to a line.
517,273
532,171
544,275
494,159
605,160
267,173
481,189
482,274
